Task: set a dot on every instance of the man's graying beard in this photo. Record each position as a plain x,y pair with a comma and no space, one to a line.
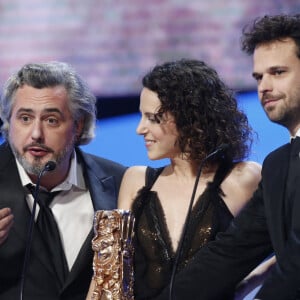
37,166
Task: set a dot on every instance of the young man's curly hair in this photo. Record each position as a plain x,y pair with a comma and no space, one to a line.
204,108
271,28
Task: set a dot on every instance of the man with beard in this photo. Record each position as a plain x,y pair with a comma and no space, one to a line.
47,111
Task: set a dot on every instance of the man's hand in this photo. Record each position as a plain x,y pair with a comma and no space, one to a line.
6,221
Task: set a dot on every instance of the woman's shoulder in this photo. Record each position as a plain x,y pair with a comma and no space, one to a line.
241,184
139,173
135,170
246,172
133,180
135,175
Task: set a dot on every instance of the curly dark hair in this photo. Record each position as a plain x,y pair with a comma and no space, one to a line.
271,28
204,108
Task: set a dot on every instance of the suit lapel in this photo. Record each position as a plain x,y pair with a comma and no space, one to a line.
275,180
83,263
103,193
101,186
14,196
292,187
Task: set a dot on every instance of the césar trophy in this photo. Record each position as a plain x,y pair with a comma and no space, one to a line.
113,255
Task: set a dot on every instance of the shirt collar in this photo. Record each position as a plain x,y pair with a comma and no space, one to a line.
75,176
297,134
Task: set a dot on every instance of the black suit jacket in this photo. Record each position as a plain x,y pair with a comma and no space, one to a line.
103,179
261,228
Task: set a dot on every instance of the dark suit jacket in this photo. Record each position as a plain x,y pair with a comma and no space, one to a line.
262,227
103,179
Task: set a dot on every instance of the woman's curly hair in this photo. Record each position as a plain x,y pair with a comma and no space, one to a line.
204,108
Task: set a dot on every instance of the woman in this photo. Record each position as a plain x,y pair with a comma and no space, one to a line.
187,113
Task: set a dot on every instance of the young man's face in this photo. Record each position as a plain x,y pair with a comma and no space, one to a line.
277,71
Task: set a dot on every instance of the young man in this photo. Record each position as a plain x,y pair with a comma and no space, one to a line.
271,221
47,112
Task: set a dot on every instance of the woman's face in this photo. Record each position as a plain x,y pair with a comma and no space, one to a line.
160,132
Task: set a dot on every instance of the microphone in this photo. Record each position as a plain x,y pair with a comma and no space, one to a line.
219,151
48,167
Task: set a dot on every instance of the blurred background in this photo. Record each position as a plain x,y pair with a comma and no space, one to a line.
113,43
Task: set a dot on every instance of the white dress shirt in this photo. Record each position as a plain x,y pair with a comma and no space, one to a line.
72,209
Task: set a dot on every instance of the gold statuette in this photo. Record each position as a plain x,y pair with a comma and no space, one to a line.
113,257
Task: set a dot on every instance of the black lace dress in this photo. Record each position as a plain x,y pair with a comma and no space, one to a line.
154,255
